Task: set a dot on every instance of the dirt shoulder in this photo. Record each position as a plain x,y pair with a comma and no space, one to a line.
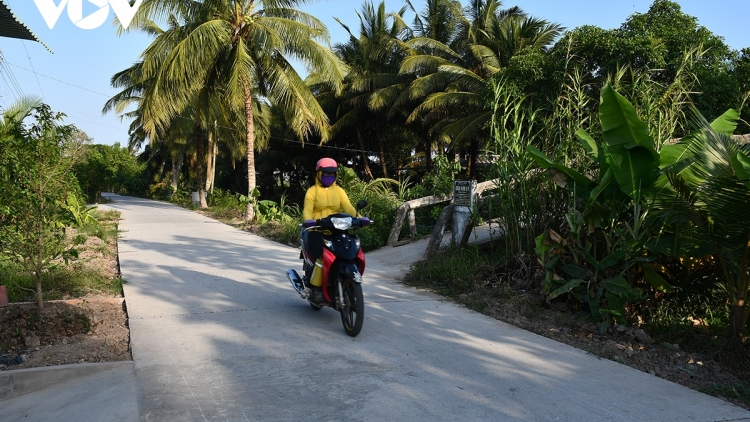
64,333
629,346
91,328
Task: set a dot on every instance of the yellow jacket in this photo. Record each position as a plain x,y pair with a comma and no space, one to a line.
321,201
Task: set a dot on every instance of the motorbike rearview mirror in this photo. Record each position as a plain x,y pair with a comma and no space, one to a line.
361,204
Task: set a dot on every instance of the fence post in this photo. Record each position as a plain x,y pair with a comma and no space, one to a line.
437,234
412,223
398,222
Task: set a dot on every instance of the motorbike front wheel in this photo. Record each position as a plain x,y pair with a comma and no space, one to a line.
353,311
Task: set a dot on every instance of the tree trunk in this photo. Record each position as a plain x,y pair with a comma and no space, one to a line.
737,316
250,139
738,313
365,160
199,165
211,162
177,167
472,161
382,157
428,154
38,275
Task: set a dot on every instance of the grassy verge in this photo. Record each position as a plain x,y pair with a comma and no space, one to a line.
94,244
470,276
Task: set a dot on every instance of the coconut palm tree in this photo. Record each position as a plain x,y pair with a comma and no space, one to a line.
453,75
242,48
706,208
373,56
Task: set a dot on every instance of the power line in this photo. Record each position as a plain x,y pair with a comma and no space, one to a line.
10,81
72,117
32,68
58,80
375,153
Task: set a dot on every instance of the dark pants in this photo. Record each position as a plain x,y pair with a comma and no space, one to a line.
313,244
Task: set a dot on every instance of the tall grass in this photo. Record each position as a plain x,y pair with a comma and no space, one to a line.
524,200
662,105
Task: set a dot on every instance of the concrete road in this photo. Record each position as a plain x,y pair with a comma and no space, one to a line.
218,334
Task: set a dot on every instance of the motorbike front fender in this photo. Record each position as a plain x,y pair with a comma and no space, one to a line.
350,271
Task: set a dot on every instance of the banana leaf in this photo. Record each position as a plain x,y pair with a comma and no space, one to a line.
617,285
741,165
574,271
629,149
589,145
656,281
579,184
727,122
566,288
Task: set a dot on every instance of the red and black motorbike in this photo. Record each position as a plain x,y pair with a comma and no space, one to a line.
343,265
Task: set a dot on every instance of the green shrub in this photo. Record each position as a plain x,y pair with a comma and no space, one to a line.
286,232
220,198
36,156
381,207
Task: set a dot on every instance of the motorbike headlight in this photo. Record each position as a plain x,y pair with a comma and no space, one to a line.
342,223
328,244
357,243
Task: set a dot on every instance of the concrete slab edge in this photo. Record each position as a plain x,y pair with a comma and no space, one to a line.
18,382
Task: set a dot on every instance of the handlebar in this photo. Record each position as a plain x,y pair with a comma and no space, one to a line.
339,222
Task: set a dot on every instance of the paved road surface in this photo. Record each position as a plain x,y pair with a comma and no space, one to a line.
218,334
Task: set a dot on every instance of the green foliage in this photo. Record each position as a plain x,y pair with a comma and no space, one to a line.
281,212
71,279
656,42
704,207
220,198
456,271
79,214
525,202
109,168
381,205
180,197
438,181
60,283
604,255
286,232
35,179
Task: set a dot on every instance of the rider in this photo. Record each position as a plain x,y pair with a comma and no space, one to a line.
321,200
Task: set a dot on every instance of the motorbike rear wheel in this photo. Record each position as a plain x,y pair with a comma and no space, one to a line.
353,311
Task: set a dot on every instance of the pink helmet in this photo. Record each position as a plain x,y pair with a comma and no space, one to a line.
327,165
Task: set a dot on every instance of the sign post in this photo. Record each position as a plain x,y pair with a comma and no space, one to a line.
464,192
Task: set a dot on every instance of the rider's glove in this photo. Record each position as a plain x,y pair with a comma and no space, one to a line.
364,221
308,223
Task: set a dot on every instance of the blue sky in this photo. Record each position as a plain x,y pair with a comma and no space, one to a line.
75,79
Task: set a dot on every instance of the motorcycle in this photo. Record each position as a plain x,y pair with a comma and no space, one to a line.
343,265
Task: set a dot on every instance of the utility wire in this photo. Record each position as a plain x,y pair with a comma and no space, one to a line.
10,80
72,117
58,80
33,70
376,153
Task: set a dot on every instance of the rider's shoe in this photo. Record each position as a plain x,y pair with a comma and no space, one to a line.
316,295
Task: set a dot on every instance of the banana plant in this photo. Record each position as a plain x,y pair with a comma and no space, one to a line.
603,256
81,213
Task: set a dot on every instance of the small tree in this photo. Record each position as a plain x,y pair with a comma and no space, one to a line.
35,179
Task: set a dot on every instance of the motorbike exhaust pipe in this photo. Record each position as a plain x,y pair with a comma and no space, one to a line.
297,283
